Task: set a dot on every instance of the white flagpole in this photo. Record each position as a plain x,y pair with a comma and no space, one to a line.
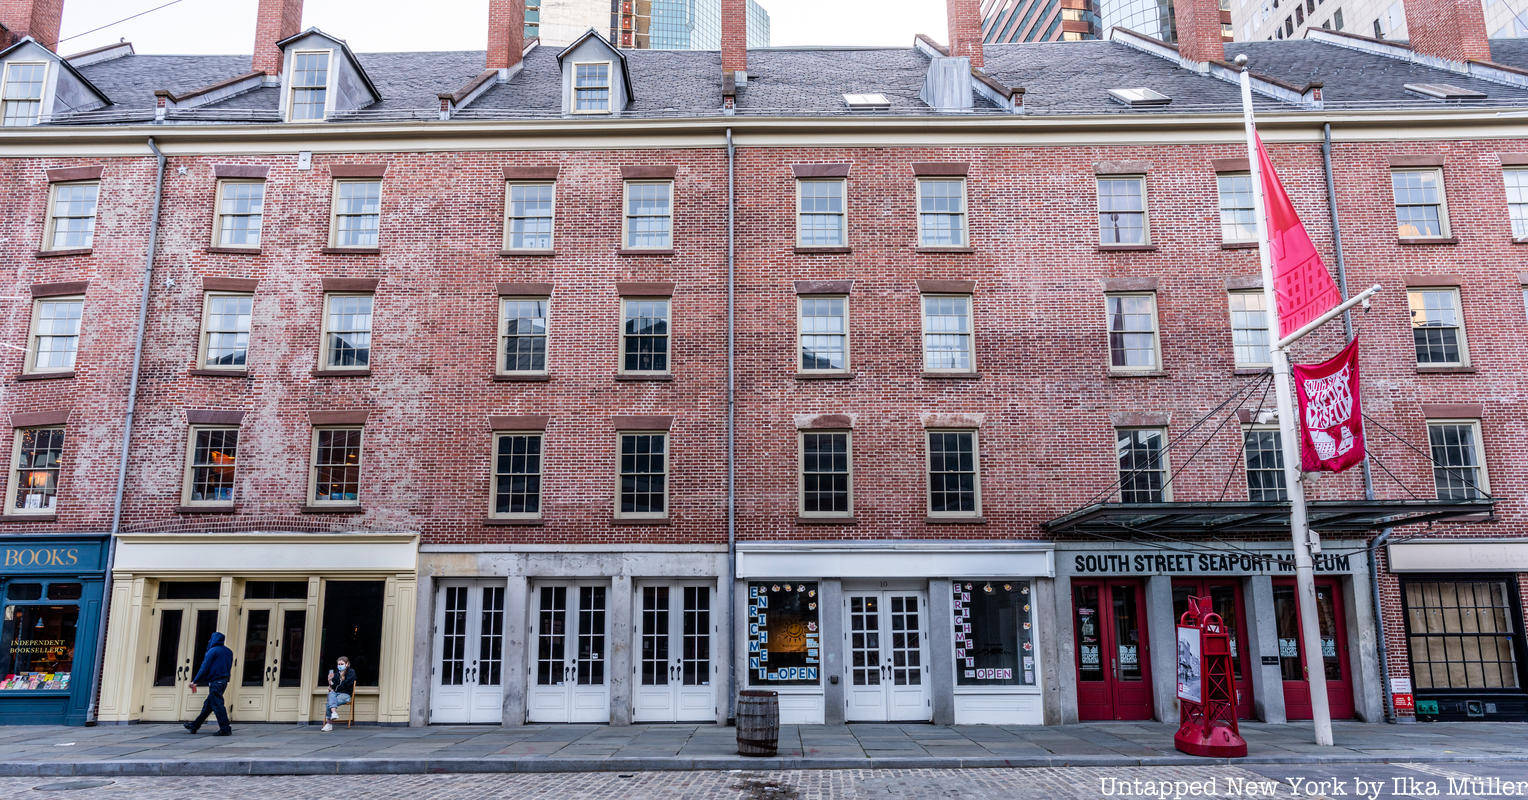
1289,440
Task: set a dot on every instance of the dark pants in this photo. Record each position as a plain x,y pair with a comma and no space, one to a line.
213,705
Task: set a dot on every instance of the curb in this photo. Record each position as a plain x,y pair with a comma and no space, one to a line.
425,766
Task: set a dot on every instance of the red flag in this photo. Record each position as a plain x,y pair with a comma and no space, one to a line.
1331,418
1304,288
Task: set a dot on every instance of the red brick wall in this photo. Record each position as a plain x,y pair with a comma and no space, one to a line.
965,29
734,44
506,33
275,20
39,19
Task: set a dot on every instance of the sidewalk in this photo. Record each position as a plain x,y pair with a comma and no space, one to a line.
303,750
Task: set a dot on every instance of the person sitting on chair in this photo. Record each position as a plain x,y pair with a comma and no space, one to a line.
341,687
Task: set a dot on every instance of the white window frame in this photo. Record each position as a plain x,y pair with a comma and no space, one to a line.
668,475
205,337
574,87
970,301
1464,346
503,348
509,189
964,214
34,337
42,94
493,476
1247,474
313,467
1231,313
668,358
1220,199
1156,336
218,215
190,466
843,215
1145,209
1445,229
292,87
51,227
1484,484
1518,220
326,351
801,334
13,480
928,473
801,509
1163,459
626,215
334,213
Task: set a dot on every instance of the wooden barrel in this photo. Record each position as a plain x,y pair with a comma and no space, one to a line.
758,723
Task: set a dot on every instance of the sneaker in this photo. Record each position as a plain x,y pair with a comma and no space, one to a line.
334,713
327,727
189,727
225,732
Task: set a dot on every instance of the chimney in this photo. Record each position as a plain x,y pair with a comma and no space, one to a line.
1453,30
506,33
276,20
39,19
735,39
966,29
1199,32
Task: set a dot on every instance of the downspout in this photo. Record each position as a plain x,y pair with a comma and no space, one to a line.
731,437
1368,474
127,430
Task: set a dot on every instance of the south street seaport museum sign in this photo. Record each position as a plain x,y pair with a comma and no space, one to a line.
1201,563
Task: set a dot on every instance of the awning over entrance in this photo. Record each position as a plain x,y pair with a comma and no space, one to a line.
1250,517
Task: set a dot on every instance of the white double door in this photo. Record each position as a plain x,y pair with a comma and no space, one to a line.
468,673
886,656
569,658
674,668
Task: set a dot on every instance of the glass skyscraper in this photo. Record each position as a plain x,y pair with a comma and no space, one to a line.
688,25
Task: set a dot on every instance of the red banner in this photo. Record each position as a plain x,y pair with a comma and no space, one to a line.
1300,281
1331,418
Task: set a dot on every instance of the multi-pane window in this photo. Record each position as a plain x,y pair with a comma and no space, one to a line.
310,85
210,462
1419,209
55,334
336,477
72,216
528,215
1458,469
34,474
517,475
1437,327
1133,332
826,474
357,213
649,215
522,335
645,335
642,482
1517,200
591,88
947,333
347,331
824,329
1236,220
241,210
1249,328
1142,465
1462,634
1122,210
820,213
23,93
1265,465
942,212
225,330
954,479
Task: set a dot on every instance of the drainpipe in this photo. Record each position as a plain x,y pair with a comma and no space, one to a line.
1368,474
127,430
731,437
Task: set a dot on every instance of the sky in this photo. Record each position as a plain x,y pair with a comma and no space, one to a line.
227,26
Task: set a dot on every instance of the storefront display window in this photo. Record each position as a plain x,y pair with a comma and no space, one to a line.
352,628
1461,634
994,636
37,647
783,637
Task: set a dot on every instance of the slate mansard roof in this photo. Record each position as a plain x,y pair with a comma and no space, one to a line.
1057,78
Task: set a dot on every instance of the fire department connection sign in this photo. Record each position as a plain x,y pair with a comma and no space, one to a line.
1331,418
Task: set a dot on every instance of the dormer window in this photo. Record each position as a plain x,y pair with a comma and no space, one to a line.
22,93
591,88
310,85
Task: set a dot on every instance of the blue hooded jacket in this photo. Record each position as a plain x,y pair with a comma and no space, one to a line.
217,665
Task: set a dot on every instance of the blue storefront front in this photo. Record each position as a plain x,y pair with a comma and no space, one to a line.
51,588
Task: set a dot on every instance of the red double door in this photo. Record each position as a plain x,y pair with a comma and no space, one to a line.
1226,600
1295,663
1113,665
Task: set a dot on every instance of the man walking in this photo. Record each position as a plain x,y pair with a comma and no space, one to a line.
214,672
